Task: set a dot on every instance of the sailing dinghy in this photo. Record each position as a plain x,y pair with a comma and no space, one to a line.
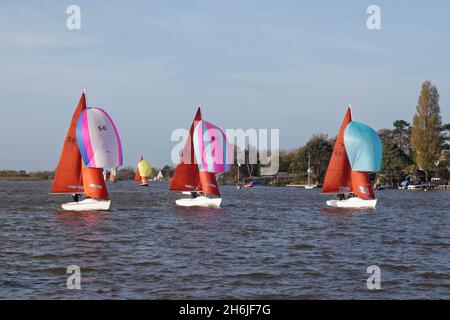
92,143
357,152
113,175
205,154
143,171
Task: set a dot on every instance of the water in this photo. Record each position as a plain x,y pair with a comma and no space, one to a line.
274,243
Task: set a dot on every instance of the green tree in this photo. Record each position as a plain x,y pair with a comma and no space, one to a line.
395,160
426,131
320,148
167,171
286,159
401,135
126,173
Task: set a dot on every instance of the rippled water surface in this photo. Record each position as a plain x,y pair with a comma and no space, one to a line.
263,243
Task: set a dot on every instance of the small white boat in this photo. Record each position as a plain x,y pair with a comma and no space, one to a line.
354,202
200,201
88,204
310,186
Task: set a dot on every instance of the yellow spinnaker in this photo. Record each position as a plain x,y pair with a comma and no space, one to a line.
145,170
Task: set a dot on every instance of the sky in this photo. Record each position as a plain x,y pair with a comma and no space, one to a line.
287,65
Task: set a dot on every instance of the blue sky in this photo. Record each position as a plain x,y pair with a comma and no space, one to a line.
289,65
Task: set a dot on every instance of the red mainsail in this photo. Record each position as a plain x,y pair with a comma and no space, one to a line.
340,178
137,176
68,177
187,176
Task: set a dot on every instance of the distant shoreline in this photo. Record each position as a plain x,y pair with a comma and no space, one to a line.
23,179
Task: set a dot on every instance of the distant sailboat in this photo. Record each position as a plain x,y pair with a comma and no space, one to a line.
198,166
143,171
357,152
84,154
309,171
113,175
159,176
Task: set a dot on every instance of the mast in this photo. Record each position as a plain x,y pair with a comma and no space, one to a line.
338,177
238,166
309,168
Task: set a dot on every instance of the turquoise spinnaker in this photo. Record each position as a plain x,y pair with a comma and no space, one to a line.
363,146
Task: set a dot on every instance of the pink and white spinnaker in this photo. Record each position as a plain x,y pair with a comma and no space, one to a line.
98,139
211,148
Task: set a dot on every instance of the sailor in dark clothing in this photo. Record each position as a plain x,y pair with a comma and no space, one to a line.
75,197
341,196
196,194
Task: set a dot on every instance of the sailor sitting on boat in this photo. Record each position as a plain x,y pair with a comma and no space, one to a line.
196,194
75,197
341,196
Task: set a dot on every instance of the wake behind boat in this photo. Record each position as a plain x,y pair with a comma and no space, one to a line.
357,152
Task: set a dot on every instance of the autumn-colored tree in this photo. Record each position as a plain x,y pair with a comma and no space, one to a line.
426,137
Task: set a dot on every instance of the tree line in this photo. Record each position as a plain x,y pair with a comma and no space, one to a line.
420,148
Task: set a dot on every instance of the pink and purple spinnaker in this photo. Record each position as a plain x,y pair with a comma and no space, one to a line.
98,139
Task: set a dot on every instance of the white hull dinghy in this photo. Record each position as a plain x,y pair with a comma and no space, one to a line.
354,202
356,153
80,172
200,201
194,175
88,205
